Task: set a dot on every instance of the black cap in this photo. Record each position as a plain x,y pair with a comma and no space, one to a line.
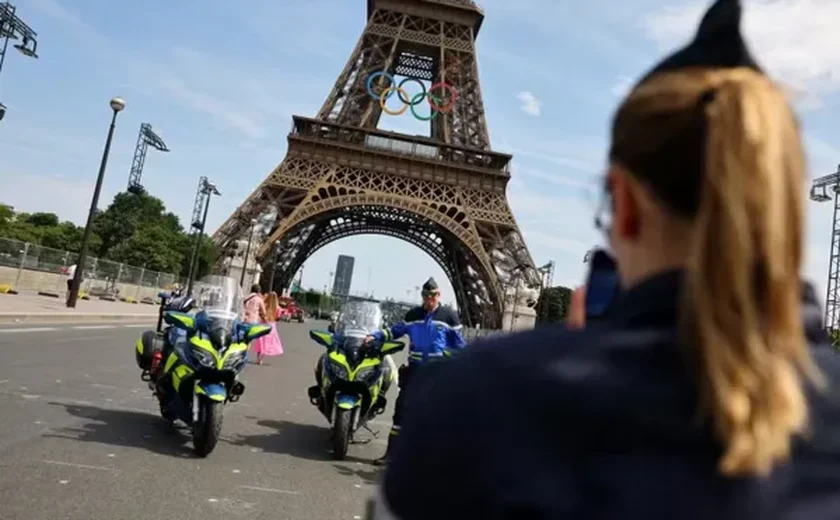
430,285
717,44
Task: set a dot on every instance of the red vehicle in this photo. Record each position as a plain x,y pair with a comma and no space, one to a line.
289,310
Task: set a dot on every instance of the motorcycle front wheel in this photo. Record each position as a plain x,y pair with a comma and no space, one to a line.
207,430
341,433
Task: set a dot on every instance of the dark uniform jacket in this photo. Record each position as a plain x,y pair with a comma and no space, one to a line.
599,423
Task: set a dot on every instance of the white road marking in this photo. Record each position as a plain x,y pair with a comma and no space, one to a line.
270,490
92,327
3,381
77,327
31,329
73,339
100,385
80,466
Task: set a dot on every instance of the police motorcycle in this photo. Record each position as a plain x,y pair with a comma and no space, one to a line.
352,377
151,345
203,355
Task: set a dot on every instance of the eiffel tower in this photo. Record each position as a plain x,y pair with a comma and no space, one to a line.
445,193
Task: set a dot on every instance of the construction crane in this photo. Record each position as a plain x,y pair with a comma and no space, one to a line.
819,193
147,137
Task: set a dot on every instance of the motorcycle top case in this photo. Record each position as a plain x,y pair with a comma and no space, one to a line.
145,347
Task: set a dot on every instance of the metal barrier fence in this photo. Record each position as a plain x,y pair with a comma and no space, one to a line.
471,334
30,267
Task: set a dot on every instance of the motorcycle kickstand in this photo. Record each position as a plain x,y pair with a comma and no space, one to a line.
367,441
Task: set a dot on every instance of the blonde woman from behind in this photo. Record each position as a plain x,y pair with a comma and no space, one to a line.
270,344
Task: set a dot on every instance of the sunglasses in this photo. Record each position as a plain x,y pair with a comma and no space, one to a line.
429,294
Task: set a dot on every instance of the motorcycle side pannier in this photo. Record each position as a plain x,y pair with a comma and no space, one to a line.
148,343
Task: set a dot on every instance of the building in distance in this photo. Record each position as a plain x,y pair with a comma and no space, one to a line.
343,275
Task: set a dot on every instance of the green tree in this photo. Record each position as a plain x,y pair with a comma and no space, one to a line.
553,305
129,213
834,338
206,255
7,214
42,229
133,229
42,220
153,247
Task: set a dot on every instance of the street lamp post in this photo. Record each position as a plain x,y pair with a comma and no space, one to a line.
117,105
247,253
274,266
208,189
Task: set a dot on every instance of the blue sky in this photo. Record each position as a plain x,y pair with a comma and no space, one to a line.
219,82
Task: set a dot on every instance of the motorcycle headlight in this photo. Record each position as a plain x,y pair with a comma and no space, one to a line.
204,358
366,374
338,370
235,360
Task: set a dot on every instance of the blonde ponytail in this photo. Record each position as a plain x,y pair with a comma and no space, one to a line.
742,313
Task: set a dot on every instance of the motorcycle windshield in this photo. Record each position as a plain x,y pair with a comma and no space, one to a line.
352,348
219,299
359,318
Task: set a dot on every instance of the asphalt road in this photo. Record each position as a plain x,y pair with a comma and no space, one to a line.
80,437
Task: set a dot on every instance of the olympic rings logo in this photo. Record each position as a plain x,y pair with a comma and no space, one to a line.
436,104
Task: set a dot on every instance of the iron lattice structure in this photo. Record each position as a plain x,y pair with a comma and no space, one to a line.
819,193
145,138
445,193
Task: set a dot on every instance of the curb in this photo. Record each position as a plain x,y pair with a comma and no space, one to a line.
50,317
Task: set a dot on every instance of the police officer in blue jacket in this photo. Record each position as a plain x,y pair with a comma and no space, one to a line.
433,331
709,391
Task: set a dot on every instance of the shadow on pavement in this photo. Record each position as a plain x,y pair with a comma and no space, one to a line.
303,441
368,476
124,428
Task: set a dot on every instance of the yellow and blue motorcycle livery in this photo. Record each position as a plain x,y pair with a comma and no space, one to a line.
352,377
200,369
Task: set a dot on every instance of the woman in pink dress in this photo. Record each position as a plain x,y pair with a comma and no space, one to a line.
253,308
270,344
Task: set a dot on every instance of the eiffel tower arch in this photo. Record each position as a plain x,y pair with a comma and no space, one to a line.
445,193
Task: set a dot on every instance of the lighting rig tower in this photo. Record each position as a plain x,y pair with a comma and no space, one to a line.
819,193
147,137
13,28
206,189
546,279
547,272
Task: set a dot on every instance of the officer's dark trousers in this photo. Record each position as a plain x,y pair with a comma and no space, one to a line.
405,373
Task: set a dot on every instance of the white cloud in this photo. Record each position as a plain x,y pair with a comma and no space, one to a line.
622,86
797,40
530,104
219,109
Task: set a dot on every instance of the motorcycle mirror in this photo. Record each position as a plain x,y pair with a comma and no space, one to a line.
180,320
322,338
256,331
389,347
